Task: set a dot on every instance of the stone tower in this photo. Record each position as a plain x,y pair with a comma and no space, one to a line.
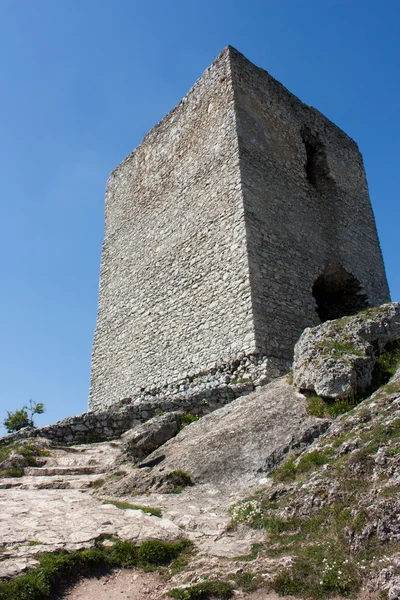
242,218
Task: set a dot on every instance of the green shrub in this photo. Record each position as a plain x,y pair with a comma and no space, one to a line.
287,471
23,417
324,407
154,553
187,419
13,472
386,365
180,478
40,583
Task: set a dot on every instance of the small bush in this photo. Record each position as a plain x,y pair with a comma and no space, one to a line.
41,582
247,512
23,417
13,472
180,478
155,553
203,591
324,407
187,419
316,406
286,472
386,365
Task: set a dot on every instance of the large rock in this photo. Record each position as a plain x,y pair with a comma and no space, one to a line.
240,441
336,359
142,440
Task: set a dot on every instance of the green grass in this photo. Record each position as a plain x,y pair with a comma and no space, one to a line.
319,571
180,479
29,452
41,582
203,591
308,462
154,553
386,365
128,506
255,550
187,419
323,563
324,407
248,582
180,563
34,543
337,348
13,472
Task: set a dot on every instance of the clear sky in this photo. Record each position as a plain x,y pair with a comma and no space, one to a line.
82,81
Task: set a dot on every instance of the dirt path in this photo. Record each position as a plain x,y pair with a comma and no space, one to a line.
133,585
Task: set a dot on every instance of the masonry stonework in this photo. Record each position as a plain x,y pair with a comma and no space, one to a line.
242,218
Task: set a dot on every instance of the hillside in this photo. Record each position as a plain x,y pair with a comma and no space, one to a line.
280,492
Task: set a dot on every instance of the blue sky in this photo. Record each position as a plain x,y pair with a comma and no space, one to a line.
82,81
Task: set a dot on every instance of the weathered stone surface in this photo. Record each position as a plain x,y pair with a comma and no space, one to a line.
336,359
69,520
354,489
226,231
141,441
250,436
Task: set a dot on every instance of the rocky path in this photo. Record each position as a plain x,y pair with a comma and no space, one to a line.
60,506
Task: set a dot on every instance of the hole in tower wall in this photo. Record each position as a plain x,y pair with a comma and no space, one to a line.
338,294
316,165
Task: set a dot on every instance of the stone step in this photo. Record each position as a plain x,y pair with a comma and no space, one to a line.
57,470
68,461
34,482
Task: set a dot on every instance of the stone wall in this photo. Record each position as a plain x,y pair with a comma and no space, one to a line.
174,296
295,227
200,398
241,214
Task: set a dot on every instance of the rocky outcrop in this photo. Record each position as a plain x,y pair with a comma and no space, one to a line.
245,439
336,359
342,498
147,437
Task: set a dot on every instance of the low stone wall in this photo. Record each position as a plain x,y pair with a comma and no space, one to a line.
202,394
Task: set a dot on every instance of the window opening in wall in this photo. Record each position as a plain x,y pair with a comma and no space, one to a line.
338,293
316,165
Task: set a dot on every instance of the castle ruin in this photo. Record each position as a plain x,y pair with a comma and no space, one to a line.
242,218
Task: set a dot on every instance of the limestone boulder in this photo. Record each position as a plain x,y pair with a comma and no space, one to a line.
242,441
147,437
336,359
